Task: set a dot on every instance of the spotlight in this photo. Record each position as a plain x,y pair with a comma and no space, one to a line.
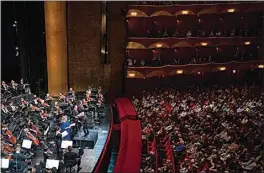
234,71
199,72
15,21
16,48
14,25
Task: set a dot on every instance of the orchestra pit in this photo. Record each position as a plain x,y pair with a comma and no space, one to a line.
138,86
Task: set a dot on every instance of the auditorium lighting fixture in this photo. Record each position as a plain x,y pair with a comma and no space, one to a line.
261,66
158,45
222,68
16,48
15,21
185,12
131,74
234,71
14,25
179,71
231,10
247,43
199,72
133,13
204,44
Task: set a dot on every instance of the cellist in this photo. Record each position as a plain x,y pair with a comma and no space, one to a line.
31,137
8,134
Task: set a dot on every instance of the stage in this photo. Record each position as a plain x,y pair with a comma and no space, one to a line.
93,144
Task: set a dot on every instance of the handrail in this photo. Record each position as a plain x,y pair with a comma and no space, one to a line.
99,162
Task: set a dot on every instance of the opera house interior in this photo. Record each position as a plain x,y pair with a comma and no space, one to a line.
137,86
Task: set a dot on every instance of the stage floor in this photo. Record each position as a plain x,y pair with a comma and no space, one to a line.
91,156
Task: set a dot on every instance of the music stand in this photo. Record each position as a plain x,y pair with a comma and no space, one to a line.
26,144
5,163
50,163
66,144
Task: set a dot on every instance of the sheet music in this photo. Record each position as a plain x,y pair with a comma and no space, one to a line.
65,144
4,163
26,144
52,163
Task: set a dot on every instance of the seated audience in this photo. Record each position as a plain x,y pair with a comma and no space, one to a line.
211,129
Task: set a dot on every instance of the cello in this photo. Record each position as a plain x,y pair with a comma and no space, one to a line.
32,137
7,133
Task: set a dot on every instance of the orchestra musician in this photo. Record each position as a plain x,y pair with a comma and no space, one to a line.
4,86
7,134
28,135
71,94
62,97
13,85
48,97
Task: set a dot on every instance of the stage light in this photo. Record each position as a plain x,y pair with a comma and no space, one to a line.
222,68
231,10
247,43
185,12
14,25
204,44
16,48
234,71
17,53
131,74
199,72
158,45
261,66
133,13
179,71
15,21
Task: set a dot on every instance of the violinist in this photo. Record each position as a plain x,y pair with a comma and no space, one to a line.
43,115
48,97
62,97
71,94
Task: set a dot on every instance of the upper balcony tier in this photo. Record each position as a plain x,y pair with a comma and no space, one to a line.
204,25
192,9
170,70
168,3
